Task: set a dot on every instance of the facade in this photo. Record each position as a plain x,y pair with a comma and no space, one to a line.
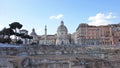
85,35
35,37
62,35
61,38
98,35
51,40
115,32
25,32
47,39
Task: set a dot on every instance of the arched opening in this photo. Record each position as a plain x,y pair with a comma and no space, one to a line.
62,43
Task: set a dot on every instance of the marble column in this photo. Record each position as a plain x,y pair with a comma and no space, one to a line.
45,41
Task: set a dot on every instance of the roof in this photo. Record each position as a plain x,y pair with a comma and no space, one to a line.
33,33
62,27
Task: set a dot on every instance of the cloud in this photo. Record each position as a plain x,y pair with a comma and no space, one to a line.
101,19
59,16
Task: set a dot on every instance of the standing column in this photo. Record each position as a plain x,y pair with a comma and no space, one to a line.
69,64
83,63
45,41
54,65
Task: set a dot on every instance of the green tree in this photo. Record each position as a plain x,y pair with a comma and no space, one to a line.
15,26
2,32
9,32
19,41
6,32
26,37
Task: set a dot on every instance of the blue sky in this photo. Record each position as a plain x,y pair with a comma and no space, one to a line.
38,13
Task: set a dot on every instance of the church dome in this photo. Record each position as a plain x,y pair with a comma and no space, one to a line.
62,27
62,35
33,33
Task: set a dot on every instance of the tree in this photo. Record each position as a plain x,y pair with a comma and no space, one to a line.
26,37
19,34
19,41
2,32
15,26
9,32
1,37
5,35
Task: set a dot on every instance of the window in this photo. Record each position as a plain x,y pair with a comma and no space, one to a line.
119,40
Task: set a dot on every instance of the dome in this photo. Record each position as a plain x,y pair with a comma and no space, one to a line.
62,35
33,33
62,27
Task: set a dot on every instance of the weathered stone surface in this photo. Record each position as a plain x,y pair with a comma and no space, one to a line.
60,57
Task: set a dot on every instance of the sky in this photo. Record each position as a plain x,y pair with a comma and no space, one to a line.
38,13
